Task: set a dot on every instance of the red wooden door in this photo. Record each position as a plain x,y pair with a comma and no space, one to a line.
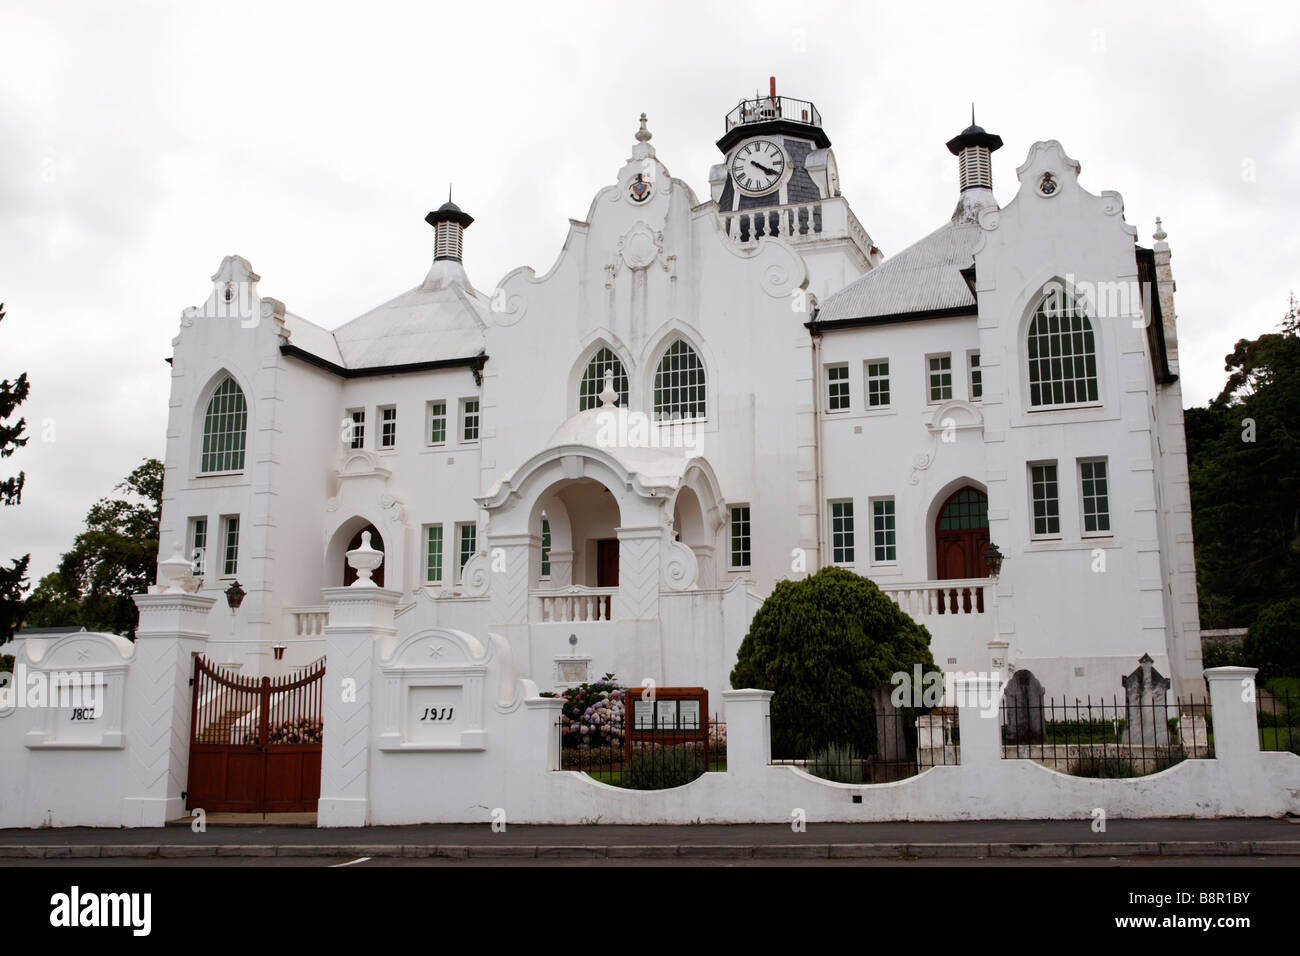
606,563
376,542
961,533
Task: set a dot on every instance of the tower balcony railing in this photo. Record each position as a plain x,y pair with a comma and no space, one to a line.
765,109
798,223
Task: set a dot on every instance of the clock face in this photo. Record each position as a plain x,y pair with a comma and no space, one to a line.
757,167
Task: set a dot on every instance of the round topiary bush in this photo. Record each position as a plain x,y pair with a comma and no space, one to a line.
823,645
1273,642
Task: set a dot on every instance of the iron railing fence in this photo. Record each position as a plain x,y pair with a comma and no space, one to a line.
1100,738
883,744
1278,714
645,757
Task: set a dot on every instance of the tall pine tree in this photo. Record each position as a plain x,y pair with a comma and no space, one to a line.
13,579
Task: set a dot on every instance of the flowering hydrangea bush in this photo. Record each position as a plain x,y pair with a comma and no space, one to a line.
593,714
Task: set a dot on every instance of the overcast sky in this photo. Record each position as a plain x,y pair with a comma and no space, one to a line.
141,143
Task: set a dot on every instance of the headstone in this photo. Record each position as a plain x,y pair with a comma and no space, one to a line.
1023,698
891,741
1146,722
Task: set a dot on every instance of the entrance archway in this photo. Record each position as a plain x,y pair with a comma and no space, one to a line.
582,516
961,533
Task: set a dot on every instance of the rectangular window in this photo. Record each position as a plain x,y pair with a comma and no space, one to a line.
357,430
230,546
437,423
976,376
837,388
1046,498
1096,496
884,543
842,532
388,427
940,377
546,547
468,537
433,554
469,419
878,384
740,542
198,545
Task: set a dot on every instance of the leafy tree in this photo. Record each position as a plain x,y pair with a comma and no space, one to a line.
1244,460
13,579
114,558
1273,643
823,645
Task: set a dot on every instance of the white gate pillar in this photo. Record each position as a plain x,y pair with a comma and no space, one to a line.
1232,705
159,703
360,616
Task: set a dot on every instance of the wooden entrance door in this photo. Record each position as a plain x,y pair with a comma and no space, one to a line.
255,743
376,542
961,533
606,563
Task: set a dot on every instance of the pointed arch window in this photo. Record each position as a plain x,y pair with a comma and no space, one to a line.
679,385
593,380
225,429
1062,353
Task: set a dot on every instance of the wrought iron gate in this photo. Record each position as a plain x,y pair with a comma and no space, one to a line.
255,743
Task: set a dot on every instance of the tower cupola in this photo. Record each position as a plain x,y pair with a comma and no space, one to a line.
974,148
449,223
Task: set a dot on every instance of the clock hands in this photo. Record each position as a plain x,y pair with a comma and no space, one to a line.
770,172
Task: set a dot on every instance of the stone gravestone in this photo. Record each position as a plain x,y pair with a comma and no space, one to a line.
891,742
1024,708
1145,721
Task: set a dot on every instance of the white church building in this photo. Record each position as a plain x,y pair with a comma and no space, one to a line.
610,465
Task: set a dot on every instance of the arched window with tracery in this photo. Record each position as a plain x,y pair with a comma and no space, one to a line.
679,385
593,379
1062,353
225,430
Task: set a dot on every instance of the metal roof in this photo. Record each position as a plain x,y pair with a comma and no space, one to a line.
924,277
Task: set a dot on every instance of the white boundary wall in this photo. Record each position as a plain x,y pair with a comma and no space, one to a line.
495,759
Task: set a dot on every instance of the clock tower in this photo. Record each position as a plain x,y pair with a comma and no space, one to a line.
779,180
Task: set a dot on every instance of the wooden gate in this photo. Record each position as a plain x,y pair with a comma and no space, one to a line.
255,743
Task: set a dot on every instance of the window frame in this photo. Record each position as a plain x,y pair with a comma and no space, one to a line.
974,376
544,569
838,388
1077,309
1109,530
622,380
465,417
868,379
427,536
848,544
700,404
229,555
929,372
430,417
892,529
198,565
357,430
206,416
1034,533
745,537
463,557
381,419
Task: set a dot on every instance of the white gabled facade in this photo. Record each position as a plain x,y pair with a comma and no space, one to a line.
633,521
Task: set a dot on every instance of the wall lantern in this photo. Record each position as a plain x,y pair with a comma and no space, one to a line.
234,596
993,559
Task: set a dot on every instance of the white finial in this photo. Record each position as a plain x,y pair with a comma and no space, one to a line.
364,560
1160,235
643,135
608,396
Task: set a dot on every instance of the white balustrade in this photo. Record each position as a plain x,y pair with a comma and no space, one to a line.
940,597
576,603
308,621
